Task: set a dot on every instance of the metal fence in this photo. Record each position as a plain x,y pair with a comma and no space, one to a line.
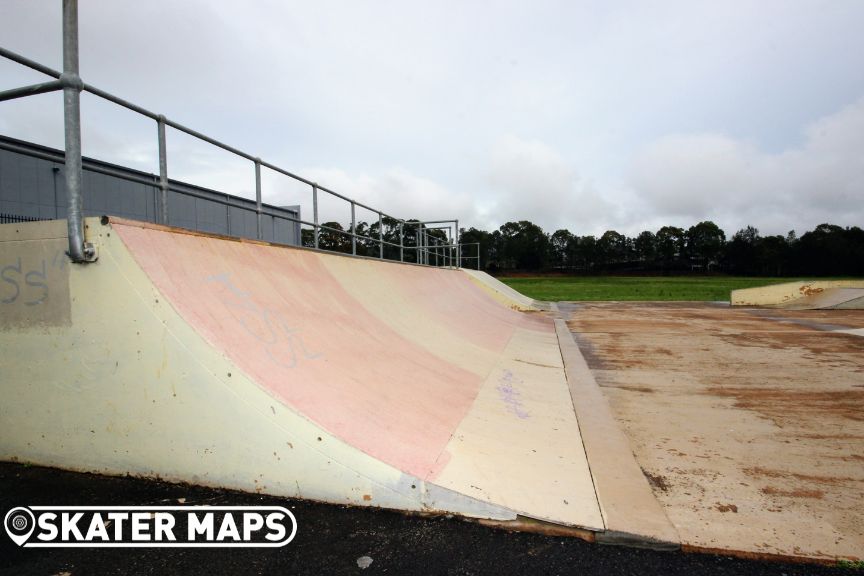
32,184
14,218
429,250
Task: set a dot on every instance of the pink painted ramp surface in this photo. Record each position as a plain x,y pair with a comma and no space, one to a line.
284,319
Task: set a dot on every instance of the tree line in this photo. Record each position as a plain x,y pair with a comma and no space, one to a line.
826,250
335,237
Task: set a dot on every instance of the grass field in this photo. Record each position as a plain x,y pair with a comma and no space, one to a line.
585,288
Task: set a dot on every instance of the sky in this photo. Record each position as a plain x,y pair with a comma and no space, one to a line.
582,114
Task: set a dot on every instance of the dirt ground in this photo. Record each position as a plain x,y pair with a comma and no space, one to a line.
748,423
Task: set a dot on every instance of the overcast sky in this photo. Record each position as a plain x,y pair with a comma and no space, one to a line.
586,115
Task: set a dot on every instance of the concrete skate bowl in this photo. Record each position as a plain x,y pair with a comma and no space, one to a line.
286,371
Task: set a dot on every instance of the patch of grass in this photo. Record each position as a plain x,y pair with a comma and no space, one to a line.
850,564
635,288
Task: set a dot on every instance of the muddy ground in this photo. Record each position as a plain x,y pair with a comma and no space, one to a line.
748,423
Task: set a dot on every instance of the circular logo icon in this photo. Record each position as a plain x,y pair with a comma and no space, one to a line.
19,523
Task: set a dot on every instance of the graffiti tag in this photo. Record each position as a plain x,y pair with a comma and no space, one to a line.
282,342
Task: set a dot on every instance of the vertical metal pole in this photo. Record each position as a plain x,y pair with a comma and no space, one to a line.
163,172
458,252
315,211
228,213
401,242
381,236
258,195
353,230
78,251
417,245
478,256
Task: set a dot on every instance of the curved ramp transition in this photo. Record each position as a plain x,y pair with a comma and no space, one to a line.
287,371
809,295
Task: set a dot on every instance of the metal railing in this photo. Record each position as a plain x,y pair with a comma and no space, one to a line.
196,215
428,247
476,256
14,218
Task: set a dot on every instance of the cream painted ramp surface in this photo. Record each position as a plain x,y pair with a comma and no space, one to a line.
841,298
286,371
803,295
504,293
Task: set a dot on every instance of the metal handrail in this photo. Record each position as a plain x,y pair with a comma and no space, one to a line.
72,85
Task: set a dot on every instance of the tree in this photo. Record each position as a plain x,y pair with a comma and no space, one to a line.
742,251
645,246
485,248
586,252
670,244
611,248
772,255
561,241
332,236
704,243
524,245
831,249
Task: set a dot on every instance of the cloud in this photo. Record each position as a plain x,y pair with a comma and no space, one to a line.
397,191
601,116
529,180
734,182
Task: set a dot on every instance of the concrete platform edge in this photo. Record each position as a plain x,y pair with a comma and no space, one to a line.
632,514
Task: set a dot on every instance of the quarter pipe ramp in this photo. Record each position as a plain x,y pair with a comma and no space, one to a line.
282,370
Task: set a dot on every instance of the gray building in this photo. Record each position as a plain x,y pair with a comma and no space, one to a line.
33,186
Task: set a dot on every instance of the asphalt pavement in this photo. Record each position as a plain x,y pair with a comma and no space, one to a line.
331,539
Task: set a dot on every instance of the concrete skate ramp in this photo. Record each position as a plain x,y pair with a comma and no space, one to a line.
287,371
504,293
841,298
810,295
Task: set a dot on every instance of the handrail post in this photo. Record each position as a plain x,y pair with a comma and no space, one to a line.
79,250
258,197
401,242
353,230
228,213
380,236
163,171
315,211
458,255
